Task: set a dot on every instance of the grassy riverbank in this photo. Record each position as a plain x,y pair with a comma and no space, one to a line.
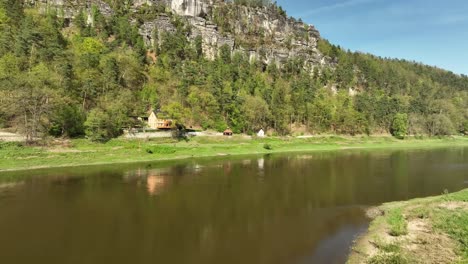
16,156
428,230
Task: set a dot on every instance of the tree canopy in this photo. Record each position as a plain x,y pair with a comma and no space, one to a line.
92,79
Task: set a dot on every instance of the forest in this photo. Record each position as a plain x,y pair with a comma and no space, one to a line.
58,80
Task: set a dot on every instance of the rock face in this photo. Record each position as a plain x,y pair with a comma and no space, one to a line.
70,8
212,39
192,8
263,33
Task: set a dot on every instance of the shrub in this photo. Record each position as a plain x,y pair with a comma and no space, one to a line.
440,125
400,126
160,150
267,146
103,125
465,128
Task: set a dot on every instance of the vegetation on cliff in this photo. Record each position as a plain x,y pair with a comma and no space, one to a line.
62,80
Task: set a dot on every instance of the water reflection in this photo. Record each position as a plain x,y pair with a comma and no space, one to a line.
296,208
155,180
261,163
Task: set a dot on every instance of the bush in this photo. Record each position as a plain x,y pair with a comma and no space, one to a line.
10,145
160,150
179,132
465,127
103,125
400,126
68,121
267,146
440,125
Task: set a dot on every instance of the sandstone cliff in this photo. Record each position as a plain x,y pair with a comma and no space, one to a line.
262,33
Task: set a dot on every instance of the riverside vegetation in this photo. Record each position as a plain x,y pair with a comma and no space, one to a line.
70,80
90,79
15,156
428,230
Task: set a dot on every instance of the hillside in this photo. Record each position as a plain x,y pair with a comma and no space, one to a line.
70,68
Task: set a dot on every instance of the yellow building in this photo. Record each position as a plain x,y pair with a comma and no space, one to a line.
155,123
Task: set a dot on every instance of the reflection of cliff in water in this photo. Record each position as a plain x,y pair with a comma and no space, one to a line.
271,209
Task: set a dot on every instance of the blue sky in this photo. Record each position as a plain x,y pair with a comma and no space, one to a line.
434,32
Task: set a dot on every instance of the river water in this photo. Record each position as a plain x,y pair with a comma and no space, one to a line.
291,208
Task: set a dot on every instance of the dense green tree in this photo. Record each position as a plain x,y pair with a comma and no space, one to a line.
67,121
440,125
280,107
400,126
257,114
465,127
107,121
92,76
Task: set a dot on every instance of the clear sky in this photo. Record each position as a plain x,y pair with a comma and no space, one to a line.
434,32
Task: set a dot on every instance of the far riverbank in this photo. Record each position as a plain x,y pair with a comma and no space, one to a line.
79,152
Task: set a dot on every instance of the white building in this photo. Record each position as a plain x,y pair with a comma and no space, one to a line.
261,133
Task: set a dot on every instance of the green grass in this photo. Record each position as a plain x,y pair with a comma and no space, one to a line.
397,223
445,215
388,258
454,222
15,156
389,253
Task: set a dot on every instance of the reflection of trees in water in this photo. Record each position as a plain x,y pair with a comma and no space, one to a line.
206,213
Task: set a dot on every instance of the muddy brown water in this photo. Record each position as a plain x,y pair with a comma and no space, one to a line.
293,208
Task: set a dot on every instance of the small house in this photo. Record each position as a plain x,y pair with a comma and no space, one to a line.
261,133
155,123
228,132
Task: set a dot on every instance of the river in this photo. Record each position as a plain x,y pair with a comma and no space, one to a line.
287,209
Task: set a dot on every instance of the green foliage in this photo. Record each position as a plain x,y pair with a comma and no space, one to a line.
253,3
267,146
397,222
68,121
440,125
103,124
160,150
400,126
389,258
390,253
465,127
455,225
97,75
97,126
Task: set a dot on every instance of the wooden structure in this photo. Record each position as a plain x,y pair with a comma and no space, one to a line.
155,123
228,132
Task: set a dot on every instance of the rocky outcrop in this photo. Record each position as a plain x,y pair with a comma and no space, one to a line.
70,8
161,24
192,8
212,39
263,34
